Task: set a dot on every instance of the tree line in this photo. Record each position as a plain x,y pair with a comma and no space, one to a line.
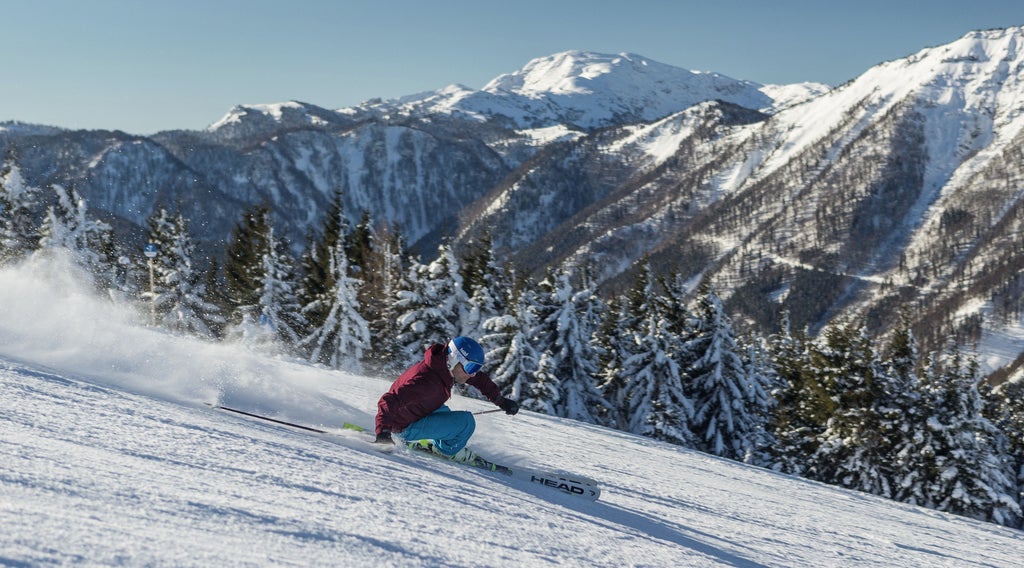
663,360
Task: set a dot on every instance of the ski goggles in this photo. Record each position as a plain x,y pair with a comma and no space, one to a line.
470,367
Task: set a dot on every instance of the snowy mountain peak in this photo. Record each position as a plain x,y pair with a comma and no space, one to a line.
291,114
988,51
579,89
578,72
585,90
16,127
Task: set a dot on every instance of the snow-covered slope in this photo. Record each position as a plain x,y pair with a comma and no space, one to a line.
969,92
109,456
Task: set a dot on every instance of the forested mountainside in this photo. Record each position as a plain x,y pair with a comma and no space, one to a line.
895,194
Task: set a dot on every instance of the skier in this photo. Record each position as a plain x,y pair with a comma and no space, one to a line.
415,407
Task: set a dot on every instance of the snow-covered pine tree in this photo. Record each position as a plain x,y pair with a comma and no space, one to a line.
853,451
616,341
729,407
759,371
383,276
344,336
674,303
565,333
1010,398
67,227
278,305
513,360
902,423
541,393
159,229
316,263
215,295
19,234
658,405
613,345
243,263
961,472
359,245
488,286
802,406
996,412
179,286
433,308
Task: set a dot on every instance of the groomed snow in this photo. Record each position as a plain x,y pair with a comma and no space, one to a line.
110,456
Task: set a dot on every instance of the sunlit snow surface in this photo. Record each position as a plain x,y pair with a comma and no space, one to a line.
110,456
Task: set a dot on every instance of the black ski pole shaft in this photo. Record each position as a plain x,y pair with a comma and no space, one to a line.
269,419
487,411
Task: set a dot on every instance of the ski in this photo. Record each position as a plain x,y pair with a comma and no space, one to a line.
570,485
565,483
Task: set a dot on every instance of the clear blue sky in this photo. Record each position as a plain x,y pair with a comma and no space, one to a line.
147,65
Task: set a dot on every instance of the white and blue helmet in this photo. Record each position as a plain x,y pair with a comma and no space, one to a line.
466,351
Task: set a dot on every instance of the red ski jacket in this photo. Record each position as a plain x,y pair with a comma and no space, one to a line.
423,388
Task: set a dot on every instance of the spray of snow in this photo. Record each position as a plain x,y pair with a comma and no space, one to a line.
52,317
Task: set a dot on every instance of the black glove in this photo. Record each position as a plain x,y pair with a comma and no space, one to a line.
509,406
384,438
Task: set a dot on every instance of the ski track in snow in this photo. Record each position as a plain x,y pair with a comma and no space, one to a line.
110,456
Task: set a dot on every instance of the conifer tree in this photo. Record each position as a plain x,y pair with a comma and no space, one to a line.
243,262
67,227
673,304
432,309
730,407
802,406
759,371
344,336
278,305
488,286
179,289
359,245
961,473
18,231
514,361
902,422
383,277
1010,420
565,326
658,405
213,284
614,344
618,339
854,451
318,260
542,392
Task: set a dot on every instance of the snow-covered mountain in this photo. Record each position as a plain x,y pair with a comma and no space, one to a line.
111,456
901,187
586,90
13,127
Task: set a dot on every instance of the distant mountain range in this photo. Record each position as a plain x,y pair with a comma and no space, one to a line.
899,192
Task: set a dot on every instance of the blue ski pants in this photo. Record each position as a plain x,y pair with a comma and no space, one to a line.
449,430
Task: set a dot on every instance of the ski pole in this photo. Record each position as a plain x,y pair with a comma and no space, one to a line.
269,419
487,411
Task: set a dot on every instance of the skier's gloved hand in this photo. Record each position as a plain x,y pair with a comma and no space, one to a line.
509,406
384,438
